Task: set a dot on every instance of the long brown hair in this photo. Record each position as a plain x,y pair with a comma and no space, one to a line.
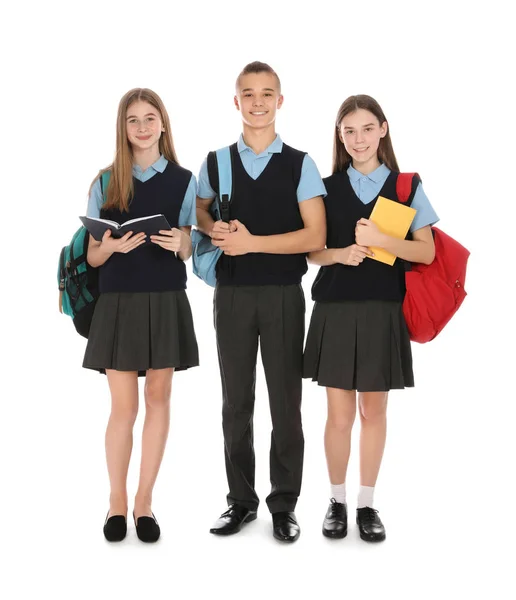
120,189
341,157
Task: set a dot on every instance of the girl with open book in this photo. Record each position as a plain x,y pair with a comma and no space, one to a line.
142,325
357,345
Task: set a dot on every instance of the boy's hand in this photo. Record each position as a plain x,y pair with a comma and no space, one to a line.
236,240
221,228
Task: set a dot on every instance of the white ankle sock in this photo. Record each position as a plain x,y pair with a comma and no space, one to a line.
365,496
339,492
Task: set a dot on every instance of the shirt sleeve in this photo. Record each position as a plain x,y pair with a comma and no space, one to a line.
188,215
425,215
95,201
204,189
310,184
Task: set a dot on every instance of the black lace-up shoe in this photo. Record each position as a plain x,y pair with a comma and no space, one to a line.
232,520
285,527
335,523
370,525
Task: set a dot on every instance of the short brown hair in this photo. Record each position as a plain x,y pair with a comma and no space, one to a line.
258,67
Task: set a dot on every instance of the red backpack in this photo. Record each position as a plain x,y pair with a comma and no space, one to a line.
436,291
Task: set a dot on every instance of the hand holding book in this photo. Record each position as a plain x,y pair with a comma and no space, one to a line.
368,234
173,239
148,225
388,218
124,244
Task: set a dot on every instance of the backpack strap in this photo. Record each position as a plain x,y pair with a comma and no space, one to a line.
75,261
220,174
213,176
213,171
104,181
404,184
61,270
224,163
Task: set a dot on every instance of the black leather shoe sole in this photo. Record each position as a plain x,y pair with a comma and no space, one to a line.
286,540
228,531
372,537
334,535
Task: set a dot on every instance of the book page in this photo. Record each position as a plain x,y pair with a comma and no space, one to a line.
141,219
106,221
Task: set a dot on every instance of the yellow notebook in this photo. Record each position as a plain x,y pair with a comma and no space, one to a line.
394,219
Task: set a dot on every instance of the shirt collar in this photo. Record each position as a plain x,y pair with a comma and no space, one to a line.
378,175
275,148
158,166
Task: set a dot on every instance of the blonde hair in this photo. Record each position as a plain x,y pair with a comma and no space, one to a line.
120,189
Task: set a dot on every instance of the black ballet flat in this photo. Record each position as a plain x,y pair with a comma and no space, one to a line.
115,528
147,529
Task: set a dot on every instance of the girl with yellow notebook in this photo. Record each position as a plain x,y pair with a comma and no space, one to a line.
358,346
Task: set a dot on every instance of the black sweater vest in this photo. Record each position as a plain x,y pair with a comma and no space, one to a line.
148,268
371,280
266,206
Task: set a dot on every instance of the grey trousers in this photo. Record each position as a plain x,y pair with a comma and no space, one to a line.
275,316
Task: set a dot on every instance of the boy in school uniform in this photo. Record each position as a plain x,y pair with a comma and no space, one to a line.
276,217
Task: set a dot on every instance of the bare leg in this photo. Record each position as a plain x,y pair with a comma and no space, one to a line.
373,416
119,435
337,435
158,385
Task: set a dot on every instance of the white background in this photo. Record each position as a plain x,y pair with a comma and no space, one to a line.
441,71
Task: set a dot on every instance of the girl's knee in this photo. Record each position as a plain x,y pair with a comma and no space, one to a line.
158,387
157,396
373,406
343,423
124,412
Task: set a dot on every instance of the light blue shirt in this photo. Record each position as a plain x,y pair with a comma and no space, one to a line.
367,187
187,215
310,183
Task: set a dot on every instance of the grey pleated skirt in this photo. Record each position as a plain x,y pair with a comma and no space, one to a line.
141,331
363,346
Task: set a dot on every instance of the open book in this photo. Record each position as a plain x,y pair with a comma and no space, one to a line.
394,219
149,225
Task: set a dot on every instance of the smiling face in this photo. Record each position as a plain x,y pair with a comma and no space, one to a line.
258,98
144,126
361,132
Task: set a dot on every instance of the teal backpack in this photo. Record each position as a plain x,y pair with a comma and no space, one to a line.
204,254
77,280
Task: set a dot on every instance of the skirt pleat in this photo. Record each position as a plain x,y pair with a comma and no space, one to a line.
141,331
361,346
